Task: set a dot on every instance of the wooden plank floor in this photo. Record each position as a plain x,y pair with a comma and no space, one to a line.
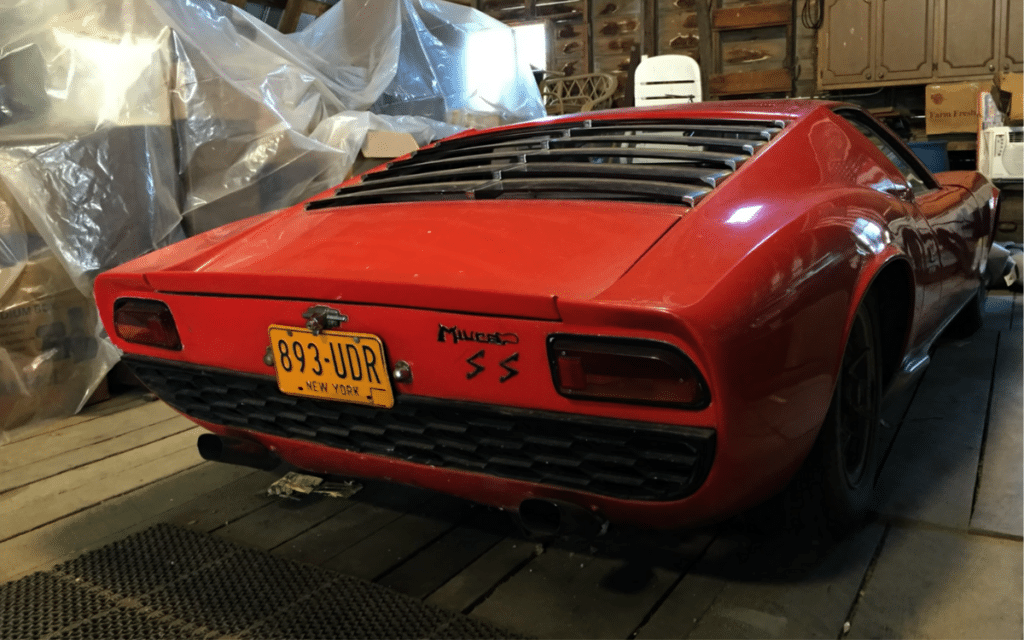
941,558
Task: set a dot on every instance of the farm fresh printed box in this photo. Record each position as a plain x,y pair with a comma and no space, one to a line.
952,107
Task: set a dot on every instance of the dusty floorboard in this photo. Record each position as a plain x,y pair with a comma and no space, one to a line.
1000,498
930,583
941,559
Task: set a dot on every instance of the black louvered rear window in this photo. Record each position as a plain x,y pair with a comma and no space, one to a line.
664,161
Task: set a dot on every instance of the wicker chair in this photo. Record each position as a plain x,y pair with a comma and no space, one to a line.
572,94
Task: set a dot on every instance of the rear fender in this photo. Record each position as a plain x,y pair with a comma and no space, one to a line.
878,261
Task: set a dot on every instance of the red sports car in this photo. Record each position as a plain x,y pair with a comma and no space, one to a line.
655,316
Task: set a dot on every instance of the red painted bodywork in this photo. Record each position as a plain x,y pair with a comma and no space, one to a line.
757,284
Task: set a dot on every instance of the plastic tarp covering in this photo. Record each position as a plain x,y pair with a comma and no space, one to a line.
126,125
53,352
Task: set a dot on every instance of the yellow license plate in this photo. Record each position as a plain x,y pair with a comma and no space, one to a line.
334,365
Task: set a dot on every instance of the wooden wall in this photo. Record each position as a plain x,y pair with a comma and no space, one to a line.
806,56
598,35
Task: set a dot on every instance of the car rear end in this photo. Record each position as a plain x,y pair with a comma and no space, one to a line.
411,326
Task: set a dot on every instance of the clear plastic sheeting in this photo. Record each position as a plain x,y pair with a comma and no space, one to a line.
302,166
121,117
127,124
454,63
53,353
99,199
92,162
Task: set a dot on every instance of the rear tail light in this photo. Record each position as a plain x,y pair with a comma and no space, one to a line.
146,322
642,371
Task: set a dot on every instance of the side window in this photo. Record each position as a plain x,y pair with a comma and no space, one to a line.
918,181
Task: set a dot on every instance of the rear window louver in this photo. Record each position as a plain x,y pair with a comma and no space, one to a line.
663,161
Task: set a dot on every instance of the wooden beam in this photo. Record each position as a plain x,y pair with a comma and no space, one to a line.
768,81
649,19
752,17
634,62
290,19
705,46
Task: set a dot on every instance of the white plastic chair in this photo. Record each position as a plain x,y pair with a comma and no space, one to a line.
668,79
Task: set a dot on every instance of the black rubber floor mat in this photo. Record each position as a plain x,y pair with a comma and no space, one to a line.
168,582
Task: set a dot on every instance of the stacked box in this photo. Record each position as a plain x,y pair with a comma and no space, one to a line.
51,357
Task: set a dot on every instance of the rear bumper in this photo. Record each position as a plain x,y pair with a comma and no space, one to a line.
631,471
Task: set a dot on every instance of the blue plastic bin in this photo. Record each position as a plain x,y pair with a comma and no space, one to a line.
933,154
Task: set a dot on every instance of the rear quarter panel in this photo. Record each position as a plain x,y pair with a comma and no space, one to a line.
764,278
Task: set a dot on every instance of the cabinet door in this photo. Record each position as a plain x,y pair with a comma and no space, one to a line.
847,42
1013,30
905,44
967,37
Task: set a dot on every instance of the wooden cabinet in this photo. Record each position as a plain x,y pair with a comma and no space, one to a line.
1011,58
871,41
969,35
887,42
846,48
905,49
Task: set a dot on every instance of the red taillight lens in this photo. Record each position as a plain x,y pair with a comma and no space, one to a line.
642,371
146,322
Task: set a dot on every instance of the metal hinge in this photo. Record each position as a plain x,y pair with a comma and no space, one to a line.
318,317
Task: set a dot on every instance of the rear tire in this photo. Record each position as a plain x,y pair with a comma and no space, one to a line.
831,493
844,461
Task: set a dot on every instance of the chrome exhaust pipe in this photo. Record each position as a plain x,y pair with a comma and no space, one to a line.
556,518
236,451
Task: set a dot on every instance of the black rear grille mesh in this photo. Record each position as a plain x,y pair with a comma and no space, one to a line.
666,161
619,459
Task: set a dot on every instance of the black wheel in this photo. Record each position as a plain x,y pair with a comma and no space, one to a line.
846,454
832,492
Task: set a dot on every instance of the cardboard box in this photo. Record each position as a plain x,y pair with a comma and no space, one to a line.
51,353
388,144
379,147
474,120
47,342
1008,91
952,107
